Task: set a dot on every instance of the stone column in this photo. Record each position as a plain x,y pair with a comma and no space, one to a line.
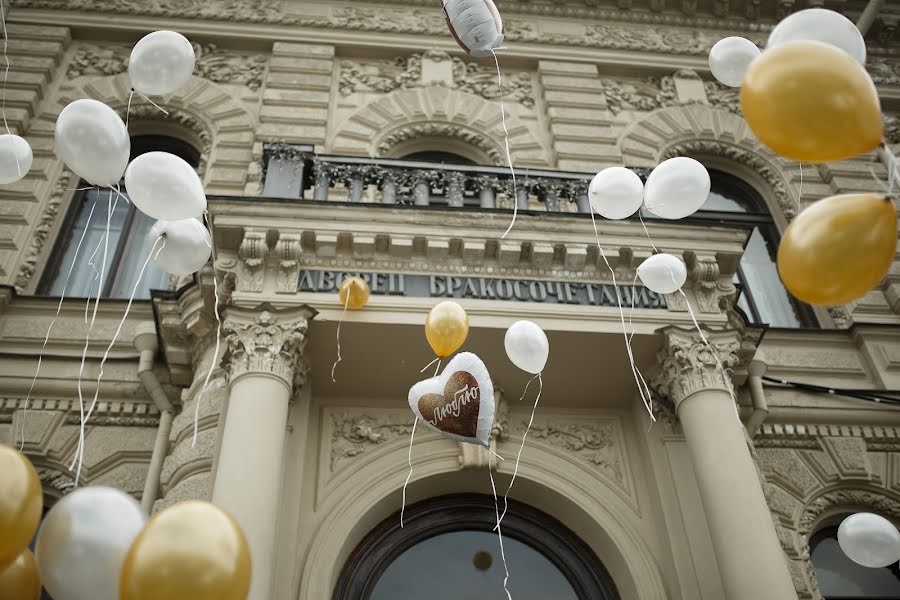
751,562
264,358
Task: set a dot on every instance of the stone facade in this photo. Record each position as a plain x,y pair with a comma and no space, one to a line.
585,85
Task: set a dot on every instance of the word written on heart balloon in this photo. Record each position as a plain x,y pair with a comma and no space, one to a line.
446,328
820,25
459,402
730,58
663,273
83,541
354,292
527,346
839,248
812,102
677,188
165,187
15,158
19,580
869,540
21,503
187,245
616,193
193,550
475,24
93,141
161,63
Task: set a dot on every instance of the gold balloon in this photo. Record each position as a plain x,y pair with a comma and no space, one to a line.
191,550
354,292
446,328
812,102
20,580
21,503
839,248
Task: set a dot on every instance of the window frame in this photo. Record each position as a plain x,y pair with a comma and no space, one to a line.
467,512
830,531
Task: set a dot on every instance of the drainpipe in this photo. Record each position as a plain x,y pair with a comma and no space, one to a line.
756,370
868,16
145,342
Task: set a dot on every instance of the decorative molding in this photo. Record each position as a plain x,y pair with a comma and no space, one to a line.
94,59
382,76
481,80
266,340
439,130
145,111
354,434
594,442
287,252
689,366
661,92
884,71
252,254
118,421
57,480
42,230
871,499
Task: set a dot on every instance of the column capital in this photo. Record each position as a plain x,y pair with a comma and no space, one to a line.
688,366
267,341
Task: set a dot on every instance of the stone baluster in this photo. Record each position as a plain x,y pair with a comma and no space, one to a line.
551,190
421,188
454,183
323,180
578,193
486,191
355,181
388,178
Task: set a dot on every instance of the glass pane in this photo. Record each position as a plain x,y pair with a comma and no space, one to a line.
84,278
466,565
840,577
761,281
723,202
134,253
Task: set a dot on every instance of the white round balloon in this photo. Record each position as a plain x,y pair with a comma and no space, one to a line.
870,540
616,193
527,346
165,187
677,188
83,540
820,25
15,158
730,58
93,141
185,248
161,63
663,273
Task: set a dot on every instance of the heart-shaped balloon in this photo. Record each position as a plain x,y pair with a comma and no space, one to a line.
459,402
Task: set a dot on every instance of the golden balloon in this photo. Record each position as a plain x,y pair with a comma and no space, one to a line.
354,292
812,102
21,502
19,580
190,550
446,328
839,248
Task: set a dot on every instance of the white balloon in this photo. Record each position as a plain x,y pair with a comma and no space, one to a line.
677,188
83,540
475,24
820,25
161,63
869,540
93,141
730,58
527,346
663,273
165,187
15,158
616,192
185,248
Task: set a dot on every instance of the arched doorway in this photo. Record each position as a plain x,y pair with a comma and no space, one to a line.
447,549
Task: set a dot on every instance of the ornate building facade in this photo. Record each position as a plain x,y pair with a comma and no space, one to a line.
355,137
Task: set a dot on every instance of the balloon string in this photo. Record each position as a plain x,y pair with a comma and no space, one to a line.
506,143
110,208
6,73
499,531
800,188
412,436
422,370
164,111
343,314
522,446
644,225
215,357
58,310
128,108
645,396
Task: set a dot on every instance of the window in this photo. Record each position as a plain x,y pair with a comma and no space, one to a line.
763,299
437,156
840,578
448,551
127,246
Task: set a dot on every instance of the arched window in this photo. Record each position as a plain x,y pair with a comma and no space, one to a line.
438,156
763,299
127,247
448,551
840,578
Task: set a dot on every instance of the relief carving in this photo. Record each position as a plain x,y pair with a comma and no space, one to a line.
353,435
252,254
42,230
416,130
287,252
689,366
593,442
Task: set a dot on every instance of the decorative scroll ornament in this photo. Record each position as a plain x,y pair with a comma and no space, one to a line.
688,366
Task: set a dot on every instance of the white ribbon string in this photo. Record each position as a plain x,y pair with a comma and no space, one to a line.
499,532
6,73
343,314
437,360
522,446
412,436
128,108
58,310
506,144
215,357
164,111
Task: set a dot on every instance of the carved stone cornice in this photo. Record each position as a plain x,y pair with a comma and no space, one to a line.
689,366
267,341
